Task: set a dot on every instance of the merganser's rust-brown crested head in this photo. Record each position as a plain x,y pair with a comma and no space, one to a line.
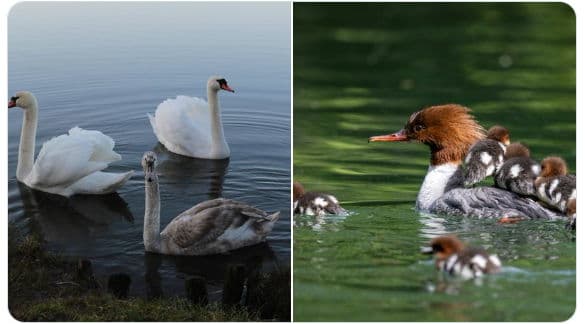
516,149
444,246
298,190
500,134
449,130
553,166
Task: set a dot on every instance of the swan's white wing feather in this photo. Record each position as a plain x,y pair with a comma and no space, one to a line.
153,124
103,144
100,183
65,159
182,125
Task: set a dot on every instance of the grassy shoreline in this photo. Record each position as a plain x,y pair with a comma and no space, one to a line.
43,286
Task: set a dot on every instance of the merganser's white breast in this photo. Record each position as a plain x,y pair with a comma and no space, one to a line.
433,187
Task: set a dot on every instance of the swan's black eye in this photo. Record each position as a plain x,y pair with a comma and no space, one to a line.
14,99
418,127
222,82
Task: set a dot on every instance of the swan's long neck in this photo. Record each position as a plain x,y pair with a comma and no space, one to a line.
26,151
217,137
151,235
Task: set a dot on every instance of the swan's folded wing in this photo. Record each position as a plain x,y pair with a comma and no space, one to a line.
203,227
103,145
183,125
229,204
206,205
208,220
65,159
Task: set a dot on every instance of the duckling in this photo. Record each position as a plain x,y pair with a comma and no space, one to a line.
485,156
314,203
454,258
518,172
554,186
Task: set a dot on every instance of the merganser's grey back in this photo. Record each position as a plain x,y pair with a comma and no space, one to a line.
490,202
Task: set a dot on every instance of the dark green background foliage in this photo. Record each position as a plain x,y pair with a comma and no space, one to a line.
361,70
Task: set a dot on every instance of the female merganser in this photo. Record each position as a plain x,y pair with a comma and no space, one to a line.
452,257
553,185
314,203
518,172
486,156
449,131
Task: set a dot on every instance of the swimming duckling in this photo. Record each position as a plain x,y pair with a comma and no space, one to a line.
314,203
452,257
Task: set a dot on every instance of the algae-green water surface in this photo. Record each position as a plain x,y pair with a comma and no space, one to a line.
361,70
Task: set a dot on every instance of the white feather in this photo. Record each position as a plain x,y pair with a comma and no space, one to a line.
552,187
495,260
69,164
319,201
486,158
480,260
515,170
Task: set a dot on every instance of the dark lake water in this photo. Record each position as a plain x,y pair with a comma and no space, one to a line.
361,70
104,66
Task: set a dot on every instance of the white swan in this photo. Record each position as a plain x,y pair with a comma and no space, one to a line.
191,127
68,164
210,227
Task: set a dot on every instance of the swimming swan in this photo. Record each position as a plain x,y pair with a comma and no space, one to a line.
68,164
211,227
190,126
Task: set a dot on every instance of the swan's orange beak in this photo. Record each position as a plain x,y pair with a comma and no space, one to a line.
227,87
399,136
11,104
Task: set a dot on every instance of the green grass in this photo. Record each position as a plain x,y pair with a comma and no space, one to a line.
99,307
45,287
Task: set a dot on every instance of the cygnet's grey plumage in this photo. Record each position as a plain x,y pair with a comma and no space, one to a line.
210,227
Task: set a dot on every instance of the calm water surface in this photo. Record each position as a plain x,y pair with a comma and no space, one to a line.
361,70
104,66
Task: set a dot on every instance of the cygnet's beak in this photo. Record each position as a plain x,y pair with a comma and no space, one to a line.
11,104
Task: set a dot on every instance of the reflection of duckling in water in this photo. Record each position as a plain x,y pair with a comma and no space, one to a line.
554,186
518,172
452,257
572,213
486,156
314,203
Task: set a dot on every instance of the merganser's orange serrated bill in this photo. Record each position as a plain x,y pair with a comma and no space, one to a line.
399,136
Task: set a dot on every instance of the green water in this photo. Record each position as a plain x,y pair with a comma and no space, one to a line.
361,70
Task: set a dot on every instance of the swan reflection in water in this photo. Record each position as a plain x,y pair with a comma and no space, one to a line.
68,220
213,268
195,178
